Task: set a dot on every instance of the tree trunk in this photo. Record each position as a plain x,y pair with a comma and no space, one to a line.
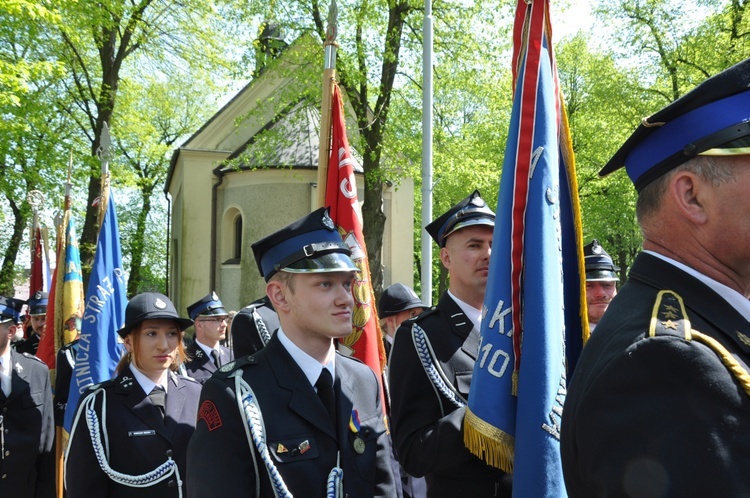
137,243
7,272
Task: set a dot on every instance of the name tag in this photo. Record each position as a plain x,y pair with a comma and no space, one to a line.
141,433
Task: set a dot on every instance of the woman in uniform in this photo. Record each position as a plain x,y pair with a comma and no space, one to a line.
129,436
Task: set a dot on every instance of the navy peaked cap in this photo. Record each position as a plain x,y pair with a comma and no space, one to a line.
10,309
209,305
470,211
711,119
311,244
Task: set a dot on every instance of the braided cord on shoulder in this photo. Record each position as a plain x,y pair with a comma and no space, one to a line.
729,361
101,450
254,421
432,367
265,335
257,436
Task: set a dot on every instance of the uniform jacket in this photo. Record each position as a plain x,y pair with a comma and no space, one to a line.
201,366
139,439
301,438
246,339
27,461
427,426
29,345
662,415
65,363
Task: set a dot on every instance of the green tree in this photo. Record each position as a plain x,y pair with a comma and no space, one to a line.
154,115
101,42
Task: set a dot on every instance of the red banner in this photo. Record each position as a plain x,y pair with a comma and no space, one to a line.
365,342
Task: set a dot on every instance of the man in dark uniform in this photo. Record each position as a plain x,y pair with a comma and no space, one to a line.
296,417
37,313
659,404
253,327
427,412
601,281
27,430
206,353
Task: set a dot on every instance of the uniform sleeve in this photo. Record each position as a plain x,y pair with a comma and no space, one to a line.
426,439
219,457
665,418
45,486
245,337
84,477
385,480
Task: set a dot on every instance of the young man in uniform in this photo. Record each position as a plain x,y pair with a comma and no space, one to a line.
427,412
296,418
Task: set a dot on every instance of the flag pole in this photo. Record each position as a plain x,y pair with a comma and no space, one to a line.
102,152
427,97
329,77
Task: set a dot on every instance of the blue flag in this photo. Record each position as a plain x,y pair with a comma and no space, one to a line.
532,307
99,348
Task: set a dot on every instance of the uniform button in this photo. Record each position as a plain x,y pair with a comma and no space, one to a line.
5,409
169,453
171,483
7,452
4,476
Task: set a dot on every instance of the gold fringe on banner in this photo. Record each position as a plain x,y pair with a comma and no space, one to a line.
489,443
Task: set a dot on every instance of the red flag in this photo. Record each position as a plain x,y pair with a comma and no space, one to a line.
365,341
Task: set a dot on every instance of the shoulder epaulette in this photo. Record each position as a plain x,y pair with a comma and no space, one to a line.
237,364
428,312
32,357
669,316
94,387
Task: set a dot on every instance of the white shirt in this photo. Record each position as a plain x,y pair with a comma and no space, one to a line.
6,370
309,365
470,311
207,350
147,384
731,296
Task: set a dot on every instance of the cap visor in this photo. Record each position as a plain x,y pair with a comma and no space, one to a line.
334,261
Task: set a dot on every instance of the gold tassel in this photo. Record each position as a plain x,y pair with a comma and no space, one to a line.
488,442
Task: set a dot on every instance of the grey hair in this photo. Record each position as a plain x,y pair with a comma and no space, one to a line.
711,168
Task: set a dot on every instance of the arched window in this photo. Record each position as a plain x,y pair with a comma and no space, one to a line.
238,237
231,237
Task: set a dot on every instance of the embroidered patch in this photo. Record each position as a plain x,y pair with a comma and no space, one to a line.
227,368
209,414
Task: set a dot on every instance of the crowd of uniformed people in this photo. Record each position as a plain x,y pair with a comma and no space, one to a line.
656,406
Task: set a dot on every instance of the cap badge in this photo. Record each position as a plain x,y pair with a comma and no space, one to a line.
160,304
477,201
38,295
328,222
214,296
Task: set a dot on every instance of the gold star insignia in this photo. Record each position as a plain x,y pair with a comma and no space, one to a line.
669,324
